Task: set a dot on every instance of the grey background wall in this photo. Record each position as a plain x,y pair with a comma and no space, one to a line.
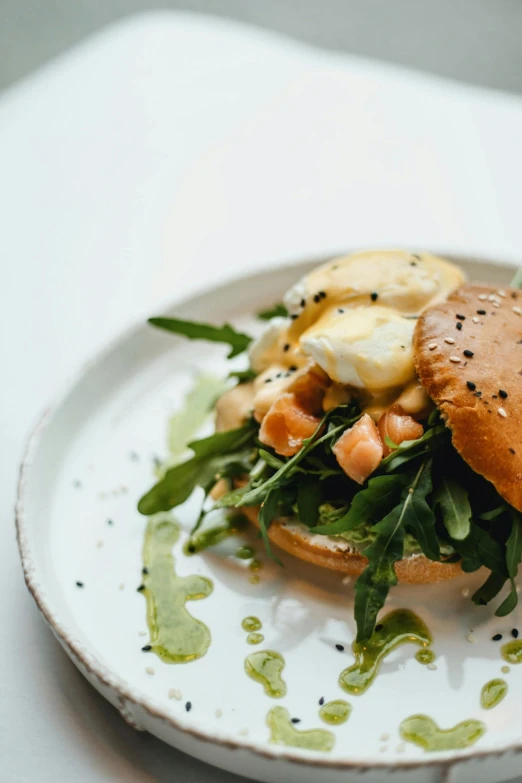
477,41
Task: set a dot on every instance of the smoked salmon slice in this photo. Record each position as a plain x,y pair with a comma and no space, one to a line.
286,425
359,450
398,427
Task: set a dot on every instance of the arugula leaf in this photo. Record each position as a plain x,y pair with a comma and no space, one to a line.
513,555
491,552
271,460
194,330
309,498
381,494
433,439
379,575
491,587
453,502
278,310
267,513
212,455
257,494
419,517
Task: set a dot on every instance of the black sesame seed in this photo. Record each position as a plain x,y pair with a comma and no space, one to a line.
379,627
144,570
494,396
458,325
110,522
146,647
303,302
188,706
321,701
514,633
417,256
286,347
191,548
412,263
296,720
294,316
502,393
339,647
481,312
478,394
497,637
140,588
341,311
279,375
512,451
80,584
77,484
293,368
471,386
468,353
374,296
268,380
460,317
134,456
322,294
317,298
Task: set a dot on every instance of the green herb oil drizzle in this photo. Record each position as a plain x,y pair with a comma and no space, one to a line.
399,627
283,732
512,651
175,636
335,712
266,667
423,731
492,693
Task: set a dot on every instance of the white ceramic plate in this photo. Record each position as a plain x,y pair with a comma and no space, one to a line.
91,459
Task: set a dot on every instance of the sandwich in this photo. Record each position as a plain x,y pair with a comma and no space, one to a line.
376,430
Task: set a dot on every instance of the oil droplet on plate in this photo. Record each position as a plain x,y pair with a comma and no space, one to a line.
423,731
398,627
425,656
251,624
283,732
335,712
512,651
255,638
266,667
492,693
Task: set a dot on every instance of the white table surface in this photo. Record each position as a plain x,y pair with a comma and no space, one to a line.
157,157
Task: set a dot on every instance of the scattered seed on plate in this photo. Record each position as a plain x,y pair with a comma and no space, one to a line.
99,544
121,586
140,588
218,713
431,666
449,340
110,522
188,706
502,412
339,647
514,633
496,638
80,584
401,747
384,737
432,346
146,648
384,748
505,670
470,638
142,633
346,580
243,732
321,701
175,693
296,720
150,670
465,592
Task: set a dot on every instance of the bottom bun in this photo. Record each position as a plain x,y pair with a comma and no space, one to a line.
338,555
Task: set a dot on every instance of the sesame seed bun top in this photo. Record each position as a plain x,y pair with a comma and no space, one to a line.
473,373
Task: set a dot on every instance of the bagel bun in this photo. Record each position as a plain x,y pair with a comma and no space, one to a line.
337,554
473,374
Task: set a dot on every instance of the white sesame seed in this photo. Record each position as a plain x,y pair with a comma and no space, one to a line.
495,304
122,586
505,670
99,544
243,732
517,310
432,346
475,319
219,713
432,667
175,693
492,298
465,592
384,737
142,633
401,747
454,359
483,297
150,670
470,638
501,293
383,749
346,580
502,412
449,340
